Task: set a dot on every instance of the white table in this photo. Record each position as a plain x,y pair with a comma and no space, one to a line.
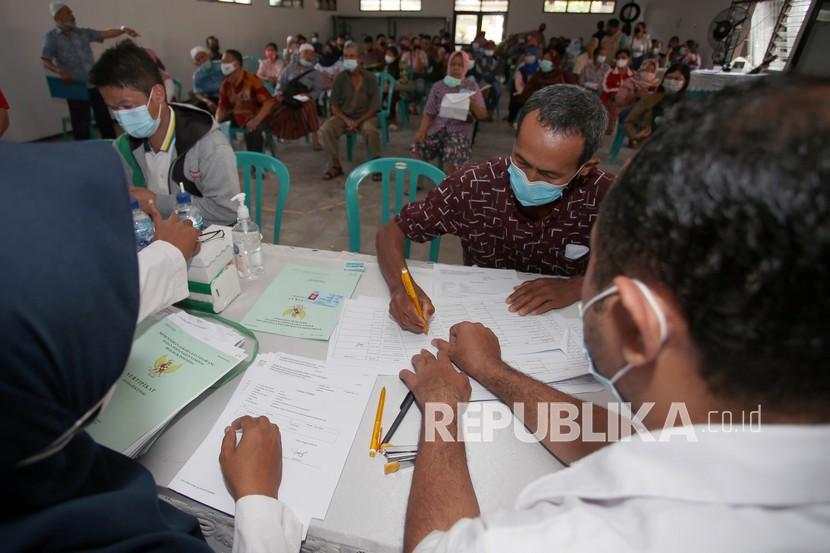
367,511
707,81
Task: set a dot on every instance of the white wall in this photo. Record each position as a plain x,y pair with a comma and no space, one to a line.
172,27
684,18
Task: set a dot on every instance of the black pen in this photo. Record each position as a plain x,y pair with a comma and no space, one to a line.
405,405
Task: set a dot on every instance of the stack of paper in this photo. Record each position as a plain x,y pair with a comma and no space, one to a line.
367,332
317,409
453,282
546,347
566,369
173,361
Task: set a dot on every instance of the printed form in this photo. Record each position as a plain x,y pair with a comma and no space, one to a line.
318,412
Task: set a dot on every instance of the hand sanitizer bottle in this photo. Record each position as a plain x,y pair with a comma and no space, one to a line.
247,242
186,209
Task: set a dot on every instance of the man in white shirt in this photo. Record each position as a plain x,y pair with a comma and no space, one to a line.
705,307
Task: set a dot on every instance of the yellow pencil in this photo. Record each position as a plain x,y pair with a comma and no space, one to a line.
375,444
410,291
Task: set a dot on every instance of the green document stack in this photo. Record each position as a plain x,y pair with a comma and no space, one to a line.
167,369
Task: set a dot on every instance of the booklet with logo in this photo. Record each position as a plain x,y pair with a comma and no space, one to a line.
169,366
303,302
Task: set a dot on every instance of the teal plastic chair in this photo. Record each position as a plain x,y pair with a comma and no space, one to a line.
403,103
385,79
250,64
406,171
262,163
617,144
268,86
177,86
232,131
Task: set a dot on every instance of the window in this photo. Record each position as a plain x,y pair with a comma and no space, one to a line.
285,3
327,5
481,5
476,16
246,2
390,5
578,6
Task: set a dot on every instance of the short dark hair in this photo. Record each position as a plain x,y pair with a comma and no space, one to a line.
729,208
569,110
235,54
613,22
126,65
271,45
625,51
681,68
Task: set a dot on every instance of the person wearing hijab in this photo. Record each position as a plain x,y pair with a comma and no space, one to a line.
526,69
448,138
650,111
69,309
550,72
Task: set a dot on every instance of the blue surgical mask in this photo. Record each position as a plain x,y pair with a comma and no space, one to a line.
349,65
546,66
306,63
452,82
661,321
137,122
532,193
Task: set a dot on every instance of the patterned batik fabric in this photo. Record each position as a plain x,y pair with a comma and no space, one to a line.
477,204
452,147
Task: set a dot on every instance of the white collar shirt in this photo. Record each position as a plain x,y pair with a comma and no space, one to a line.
764,491
158,163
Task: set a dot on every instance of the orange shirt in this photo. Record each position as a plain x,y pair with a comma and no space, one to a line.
245,99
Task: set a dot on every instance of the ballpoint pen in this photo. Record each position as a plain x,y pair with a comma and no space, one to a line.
376,430
405,405
413,297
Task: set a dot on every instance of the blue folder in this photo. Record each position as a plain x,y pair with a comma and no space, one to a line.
68,91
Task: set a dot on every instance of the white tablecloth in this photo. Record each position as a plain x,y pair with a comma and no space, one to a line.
368,508
712,80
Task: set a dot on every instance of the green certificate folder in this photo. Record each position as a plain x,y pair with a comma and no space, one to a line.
166,370
302,302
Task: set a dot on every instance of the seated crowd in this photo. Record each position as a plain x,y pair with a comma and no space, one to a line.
691,267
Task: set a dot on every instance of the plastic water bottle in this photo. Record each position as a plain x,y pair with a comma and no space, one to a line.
247,242
142,225
186,209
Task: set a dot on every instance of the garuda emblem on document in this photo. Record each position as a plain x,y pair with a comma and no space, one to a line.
163,366
296,312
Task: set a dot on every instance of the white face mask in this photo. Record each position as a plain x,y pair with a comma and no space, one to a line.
489,53
661,321
672,86
390,59
227,68
601,59
622,62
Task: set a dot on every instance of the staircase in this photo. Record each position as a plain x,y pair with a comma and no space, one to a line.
784,33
